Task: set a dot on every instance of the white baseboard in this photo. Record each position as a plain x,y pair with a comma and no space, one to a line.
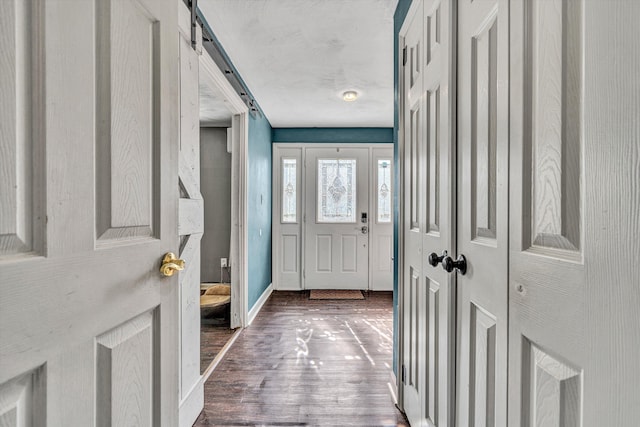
258,305
288,288
192,405
216,361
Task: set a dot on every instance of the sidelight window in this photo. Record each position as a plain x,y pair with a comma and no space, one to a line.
289,191
383,193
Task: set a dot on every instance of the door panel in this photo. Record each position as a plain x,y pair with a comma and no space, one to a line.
429,324
337,194
127,122
547,265
483,148
85,315
126,356
439,211
20,231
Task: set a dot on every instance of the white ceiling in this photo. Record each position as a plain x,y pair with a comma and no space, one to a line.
297,57
214,111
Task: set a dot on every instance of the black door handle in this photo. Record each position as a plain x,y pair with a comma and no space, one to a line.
460,264
434,259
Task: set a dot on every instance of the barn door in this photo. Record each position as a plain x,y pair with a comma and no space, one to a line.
483,146
190,229
88,203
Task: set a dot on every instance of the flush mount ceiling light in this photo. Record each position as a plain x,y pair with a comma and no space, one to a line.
350,95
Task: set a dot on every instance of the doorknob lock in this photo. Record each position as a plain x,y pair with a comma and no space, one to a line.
460,264
434,259
171,264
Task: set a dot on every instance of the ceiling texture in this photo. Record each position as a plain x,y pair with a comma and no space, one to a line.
298,57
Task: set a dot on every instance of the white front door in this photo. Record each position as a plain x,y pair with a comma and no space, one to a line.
337,218
482,225
88,204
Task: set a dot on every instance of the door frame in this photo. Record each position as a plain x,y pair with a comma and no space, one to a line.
213,77
276,203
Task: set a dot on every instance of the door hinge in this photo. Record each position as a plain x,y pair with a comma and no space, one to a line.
404,56
304,218
404,374
193,8
304,273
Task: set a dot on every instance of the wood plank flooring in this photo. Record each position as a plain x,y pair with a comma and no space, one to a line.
213,336
302,362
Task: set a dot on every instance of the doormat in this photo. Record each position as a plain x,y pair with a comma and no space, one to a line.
335,294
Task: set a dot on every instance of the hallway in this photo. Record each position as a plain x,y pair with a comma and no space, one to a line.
308,362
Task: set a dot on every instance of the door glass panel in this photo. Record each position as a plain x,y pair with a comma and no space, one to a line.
384,190
336,190
289,190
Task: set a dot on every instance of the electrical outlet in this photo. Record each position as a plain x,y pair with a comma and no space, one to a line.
223,262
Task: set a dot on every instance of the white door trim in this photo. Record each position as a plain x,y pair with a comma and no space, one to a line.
213,77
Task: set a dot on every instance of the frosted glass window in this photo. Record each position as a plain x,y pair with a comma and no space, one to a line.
336,190
384,190
289,190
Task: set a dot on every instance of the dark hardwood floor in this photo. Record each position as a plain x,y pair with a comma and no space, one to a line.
306,362
214,334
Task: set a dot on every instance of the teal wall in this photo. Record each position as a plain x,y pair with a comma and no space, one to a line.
398,19
259,207
333,135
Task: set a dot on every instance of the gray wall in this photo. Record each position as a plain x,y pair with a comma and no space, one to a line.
215,186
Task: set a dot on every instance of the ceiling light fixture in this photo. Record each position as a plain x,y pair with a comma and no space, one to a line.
350,95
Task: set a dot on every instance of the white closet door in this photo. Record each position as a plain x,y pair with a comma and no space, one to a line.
483,147
575,214
413,290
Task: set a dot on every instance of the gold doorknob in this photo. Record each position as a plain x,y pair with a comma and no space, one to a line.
171,264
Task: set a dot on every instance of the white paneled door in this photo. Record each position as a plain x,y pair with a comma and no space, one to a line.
482,225
428,291
546,232
574,330
88,204
414,309
336,218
